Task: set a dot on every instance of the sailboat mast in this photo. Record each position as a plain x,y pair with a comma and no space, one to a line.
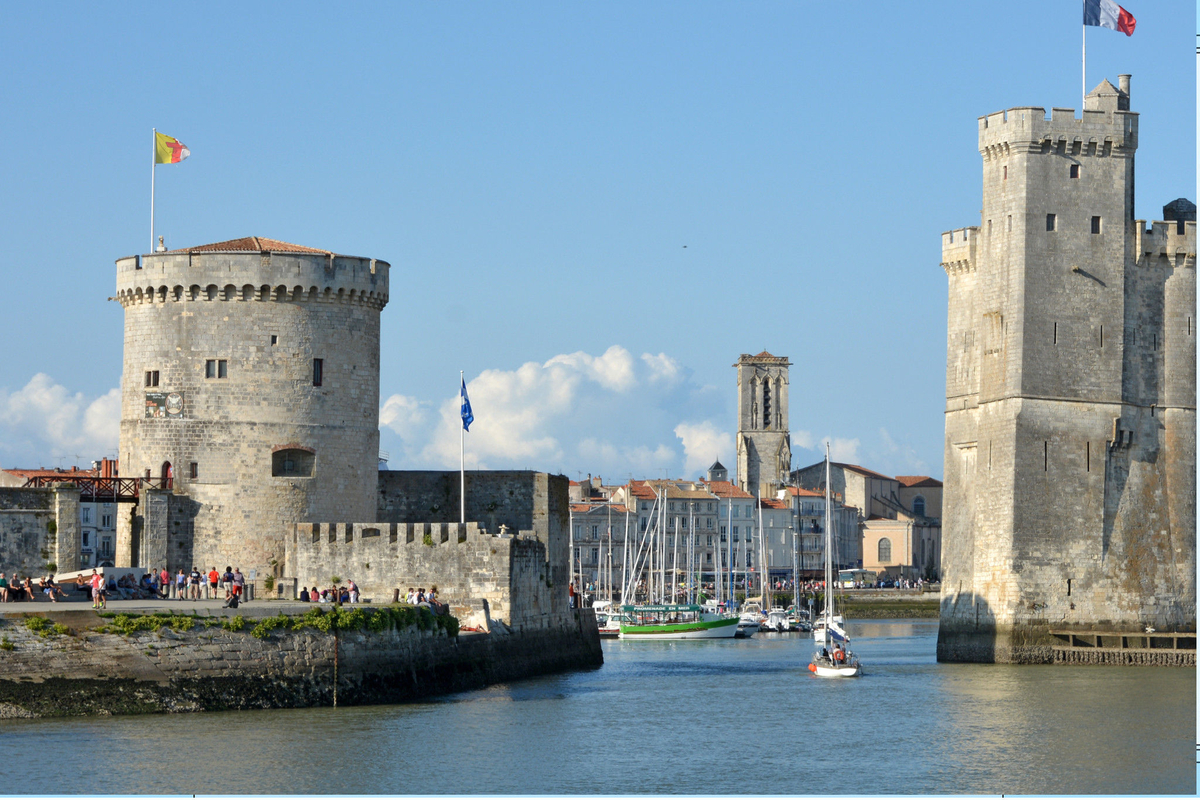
828,549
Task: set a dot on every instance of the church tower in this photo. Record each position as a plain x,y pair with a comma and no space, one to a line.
764,447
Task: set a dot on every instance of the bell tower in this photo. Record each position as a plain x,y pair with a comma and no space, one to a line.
764,446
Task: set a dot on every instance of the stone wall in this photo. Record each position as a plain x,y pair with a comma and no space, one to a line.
209,668
463,562
39,527
534,504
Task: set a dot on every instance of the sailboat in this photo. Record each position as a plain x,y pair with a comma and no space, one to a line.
834,659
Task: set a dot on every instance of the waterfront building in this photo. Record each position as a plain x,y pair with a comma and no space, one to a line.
899,527
1070,448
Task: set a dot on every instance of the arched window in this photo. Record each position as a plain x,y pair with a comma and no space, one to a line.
168,475
885,550
919,506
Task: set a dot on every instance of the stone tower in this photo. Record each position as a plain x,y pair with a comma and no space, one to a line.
764,447
251,381
1070,447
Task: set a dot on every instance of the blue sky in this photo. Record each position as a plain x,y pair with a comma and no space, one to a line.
533,173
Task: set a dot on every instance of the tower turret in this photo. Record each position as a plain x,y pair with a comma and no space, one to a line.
764,445
251,385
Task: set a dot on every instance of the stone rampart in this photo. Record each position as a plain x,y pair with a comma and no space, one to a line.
210,668
464,562
39,527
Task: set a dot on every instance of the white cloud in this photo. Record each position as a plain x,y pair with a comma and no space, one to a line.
703,443
613,370
43,421
845,450
803,439
663,368
611,414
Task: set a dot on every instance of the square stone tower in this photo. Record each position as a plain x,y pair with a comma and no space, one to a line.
764,446
1070,393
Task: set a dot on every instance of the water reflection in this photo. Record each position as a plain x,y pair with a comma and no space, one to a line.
651,720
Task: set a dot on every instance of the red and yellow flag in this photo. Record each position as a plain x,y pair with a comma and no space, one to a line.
169,150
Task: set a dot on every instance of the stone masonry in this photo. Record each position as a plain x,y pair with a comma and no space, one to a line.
1070,449
210,668
251,381
39,527
764,445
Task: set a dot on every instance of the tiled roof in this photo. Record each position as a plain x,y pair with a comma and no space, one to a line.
796,491
65,474
870,473
764,354
251,244
777,504
602,508
727,490
915,481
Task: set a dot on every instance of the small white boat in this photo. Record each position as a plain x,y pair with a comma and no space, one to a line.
836,664
750,621
819,632
777,621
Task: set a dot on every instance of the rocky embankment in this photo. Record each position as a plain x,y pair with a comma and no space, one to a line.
72,662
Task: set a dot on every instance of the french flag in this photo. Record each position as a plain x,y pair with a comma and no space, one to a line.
1107,14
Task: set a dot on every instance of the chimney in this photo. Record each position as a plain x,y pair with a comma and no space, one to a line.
1123,85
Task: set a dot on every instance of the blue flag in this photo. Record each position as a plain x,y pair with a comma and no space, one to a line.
467,416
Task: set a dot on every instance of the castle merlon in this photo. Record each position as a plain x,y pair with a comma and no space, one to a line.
243,276
1166,239
959,250
1027,128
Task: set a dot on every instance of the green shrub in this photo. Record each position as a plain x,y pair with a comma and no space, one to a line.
234,624
5,644
263,629
44,628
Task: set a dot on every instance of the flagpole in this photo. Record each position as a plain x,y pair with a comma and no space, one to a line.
153,158
462,465
1083,93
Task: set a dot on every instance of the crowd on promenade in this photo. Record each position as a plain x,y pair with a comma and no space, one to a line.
155,584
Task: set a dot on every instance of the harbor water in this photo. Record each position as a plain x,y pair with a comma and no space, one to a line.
698,717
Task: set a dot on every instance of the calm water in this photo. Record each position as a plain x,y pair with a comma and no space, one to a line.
660,717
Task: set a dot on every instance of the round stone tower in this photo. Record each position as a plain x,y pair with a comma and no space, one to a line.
250,396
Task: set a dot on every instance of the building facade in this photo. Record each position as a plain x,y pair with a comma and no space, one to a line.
1070,392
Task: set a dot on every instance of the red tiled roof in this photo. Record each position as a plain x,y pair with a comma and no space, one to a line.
52,473
728,490
764,354
603,508
915,481
796,491
251,244
777,504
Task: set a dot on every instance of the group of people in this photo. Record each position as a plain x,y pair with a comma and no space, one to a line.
335,594
195,584
15,589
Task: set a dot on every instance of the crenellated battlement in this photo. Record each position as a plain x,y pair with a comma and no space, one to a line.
266,276
1027,129
1163,239
467,563
959,249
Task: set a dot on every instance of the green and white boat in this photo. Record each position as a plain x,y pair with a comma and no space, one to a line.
675,622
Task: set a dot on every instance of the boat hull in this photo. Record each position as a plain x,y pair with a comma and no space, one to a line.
706,629
829,671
